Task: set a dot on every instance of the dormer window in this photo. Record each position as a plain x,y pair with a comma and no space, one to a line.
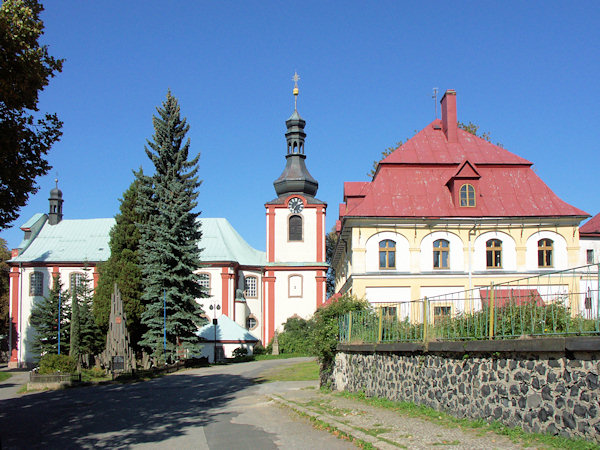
467,195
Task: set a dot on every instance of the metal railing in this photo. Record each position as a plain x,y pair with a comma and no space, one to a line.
550,304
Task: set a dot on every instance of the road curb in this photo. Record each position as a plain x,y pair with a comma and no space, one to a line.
331,421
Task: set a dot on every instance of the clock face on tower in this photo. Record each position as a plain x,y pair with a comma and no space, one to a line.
296,205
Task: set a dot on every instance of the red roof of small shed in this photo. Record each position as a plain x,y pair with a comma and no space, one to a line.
511,297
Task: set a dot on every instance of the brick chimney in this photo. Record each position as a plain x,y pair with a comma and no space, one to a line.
449,123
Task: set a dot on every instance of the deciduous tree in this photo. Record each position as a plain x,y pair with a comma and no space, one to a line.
25,135
4,288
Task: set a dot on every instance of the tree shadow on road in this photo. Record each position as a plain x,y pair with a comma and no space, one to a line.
117,416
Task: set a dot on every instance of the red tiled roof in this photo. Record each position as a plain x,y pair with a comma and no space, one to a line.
591,227
413,181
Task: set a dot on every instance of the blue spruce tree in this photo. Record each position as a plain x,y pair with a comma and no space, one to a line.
170,234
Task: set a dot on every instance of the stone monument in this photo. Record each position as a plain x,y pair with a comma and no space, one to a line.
118,355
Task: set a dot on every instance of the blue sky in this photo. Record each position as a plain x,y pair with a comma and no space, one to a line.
527,72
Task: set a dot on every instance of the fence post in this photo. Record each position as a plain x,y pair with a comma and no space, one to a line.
492,310
425,319
379,333
349,326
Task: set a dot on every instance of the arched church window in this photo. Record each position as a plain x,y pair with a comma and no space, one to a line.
295,228
76,281
251,287
204,281
36,283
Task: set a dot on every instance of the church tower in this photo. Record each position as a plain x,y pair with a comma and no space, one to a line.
295,274
55,213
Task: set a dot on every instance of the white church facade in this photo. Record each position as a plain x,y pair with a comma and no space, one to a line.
257,291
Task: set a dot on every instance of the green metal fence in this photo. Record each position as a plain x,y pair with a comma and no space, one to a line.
550,304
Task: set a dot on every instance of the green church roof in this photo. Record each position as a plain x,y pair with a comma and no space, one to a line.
221,243
87,240
69,241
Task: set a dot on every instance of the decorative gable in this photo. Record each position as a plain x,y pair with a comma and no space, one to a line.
467,170
464,185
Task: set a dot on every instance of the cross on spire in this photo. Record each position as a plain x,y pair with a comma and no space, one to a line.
295,79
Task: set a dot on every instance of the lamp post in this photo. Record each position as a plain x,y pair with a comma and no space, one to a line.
214,308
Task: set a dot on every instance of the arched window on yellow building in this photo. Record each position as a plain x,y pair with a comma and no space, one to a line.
493,254
467,195
387,254
545,250
441,253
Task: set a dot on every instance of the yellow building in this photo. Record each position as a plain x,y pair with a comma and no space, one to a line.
448,212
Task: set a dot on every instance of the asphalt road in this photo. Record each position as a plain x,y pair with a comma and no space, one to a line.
217,407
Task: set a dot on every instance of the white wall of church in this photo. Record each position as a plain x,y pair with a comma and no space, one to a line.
294,251
27,301
286,305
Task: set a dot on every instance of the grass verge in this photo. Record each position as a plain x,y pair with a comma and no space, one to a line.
280,356
4,376
304,371
517,435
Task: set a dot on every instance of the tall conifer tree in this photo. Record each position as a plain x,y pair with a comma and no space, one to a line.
75,338
170,234
86,337
44,319
123,266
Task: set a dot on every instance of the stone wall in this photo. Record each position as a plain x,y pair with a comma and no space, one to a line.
542,385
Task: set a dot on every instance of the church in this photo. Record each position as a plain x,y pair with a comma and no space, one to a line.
254,291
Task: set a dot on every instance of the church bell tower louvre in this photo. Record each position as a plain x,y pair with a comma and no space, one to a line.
295,272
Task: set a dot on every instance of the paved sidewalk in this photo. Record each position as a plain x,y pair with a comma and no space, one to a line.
383,428
9,388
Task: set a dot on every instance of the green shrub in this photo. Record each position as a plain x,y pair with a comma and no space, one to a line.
51,363
296,336
240,352
326,330
259,350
